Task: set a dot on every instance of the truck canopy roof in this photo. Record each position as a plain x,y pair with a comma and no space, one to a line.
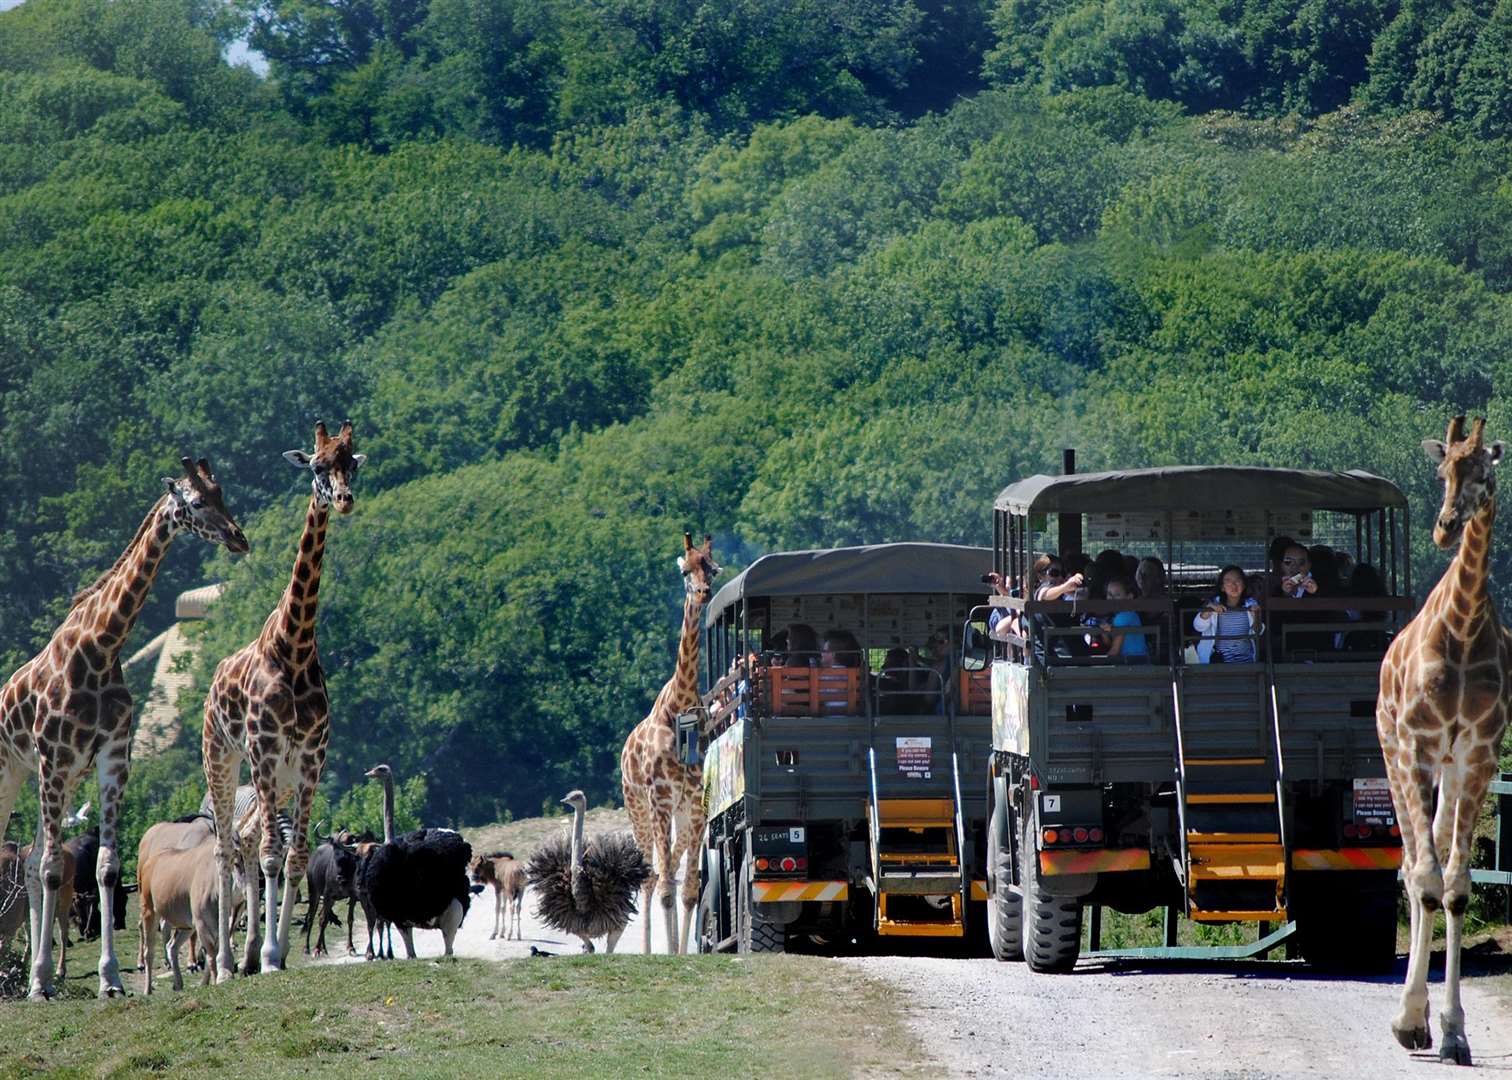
1200,487
875,568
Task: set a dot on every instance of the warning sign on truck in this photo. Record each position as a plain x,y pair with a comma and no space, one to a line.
1372,802
915,757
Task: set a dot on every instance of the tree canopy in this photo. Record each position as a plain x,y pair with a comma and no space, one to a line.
794,273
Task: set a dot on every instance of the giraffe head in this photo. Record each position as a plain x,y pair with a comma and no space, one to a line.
195,505
698,568
1468,468
333,465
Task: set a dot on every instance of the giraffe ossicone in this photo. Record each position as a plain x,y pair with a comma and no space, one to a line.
68,708
664,796
268,707
1445,696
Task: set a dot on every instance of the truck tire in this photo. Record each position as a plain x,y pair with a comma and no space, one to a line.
757,935
1005,909
1051,924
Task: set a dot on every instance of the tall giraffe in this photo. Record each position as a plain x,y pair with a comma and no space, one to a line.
68,707
1443,706
267,706
660,791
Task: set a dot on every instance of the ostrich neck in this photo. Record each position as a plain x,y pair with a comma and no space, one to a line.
388,809
577,846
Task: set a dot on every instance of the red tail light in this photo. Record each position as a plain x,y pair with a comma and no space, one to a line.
789,864
1051,836
802,863
1364,831
1079,834
1396,830
1095,835
1350,831
763,863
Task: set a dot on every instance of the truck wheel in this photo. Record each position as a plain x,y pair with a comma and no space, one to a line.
1051,924
1005,910
757,935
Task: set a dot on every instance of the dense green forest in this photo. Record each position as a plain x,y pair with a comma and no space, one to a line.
586,273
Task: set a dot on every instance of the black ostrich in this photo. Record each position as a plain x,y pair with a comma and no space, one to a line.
587,890
416,880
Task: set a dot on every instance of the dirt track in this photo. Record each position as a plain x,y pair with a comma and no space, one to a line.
1251,1020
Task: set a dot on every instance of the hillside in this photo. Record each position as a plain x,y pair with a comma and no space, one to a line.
587,274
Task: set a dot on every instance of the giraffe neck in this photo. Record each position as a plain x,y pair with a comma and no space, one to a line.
681,691
114,602
293,620
1467,581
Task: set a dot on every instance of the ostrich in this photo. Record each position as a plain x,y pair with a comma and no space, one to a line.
587,891
419,879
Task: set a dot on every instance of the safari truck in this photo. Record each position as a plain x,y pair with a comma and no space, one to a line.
838,732
1250,791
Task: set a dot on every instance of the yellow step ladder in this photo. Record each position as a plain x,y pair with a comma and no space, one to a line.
918,868
1236,860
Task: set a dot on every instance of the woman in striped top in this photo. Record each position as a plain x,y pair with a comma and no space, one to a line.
1229,623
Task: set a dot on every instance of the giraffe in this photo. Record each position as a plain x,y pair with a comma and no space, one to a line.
1443,706
660,791
267,706
68,707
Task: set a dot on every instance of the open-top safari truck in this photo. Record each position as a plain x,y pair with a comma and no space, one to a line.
834,783
1230,792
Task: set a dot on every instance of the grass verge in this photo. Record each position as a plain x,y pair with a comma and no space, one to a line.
543,1018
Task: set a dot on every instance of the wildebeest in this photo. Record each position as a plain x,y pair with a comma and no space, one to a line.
331,876
85,849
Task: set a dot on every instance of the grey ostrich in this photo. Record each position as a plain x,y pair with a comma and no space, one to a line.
587,889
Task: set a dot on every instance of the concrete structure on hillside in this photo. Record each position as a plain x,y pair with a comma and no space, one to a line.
172,655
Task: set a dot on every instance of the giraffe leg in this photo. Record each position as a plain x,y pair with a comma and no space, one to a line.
111,767
270,857
298,859
1425,889
44,874
666,883
221,768
1463,807
690,829
642,824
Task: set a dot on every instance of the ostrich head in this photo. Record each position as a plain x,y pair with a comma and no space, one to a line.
577,800
379,772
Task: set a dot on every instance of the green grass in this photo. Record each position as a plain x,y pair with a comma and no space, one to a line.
563,1016
558,1017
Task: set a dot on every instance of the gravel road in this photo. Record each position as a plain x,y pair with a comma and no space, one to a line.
1249,1020
1245,1020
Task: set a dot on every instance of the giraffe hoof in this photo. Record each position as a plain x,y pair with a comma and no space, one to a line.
1455,1051
1418,1038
